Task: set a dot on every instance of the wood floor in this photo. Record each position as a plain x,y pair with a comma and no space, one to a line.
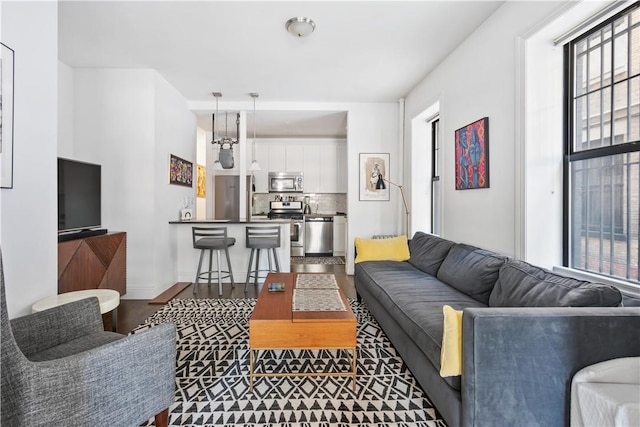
131,313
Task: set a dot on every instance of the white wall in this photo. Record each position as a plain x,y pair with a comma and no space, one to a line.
65,110
28,210
543,138
479,79
175,133
372,128
129,121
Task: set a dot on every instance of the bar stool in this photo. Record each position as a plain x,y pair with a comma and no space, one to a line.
212,239
258,238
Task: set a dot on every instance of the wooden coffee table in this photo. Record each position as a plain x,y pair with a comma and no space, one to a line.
275,326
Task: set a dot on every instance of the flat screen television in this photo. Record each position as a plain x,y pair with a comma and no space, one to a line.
79,195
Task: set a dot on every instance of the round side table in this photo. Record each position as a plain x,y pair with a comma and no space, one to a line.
108,298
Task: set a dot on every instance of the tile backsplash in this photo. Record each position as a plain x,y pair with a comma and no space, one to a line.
326,203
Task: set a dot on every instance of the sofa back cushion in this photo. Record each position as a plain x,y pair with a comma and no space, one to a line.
471,270
521,284
428,252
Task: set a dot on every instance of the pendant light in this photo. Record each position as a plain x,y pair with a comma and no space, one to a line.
225,144
254,163
214,133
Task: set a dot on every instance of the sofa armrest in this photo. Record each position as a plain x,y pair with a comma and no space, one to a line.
518,362
39,331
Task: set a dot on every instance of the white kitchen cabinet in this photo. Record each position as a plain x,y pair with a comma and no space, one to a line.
339,235
341,168
311,168
285,157
328,168
294,158
277,157
323,163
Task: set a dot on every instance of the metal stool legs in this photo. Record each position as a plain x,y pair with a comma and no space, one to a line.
221,273
258,238
213,239
255,273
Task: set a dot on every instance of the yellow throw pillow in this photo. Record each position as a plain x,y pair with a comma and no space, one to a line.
451,354
392,249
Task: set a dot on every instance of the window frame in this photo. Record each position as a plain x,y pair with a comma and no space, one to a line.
569,125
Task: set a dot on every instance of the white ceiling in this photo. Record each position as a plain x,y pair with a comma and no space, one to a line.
360,51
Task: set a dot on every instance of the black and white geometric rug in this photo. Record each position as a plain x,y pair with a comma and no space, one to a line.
212,375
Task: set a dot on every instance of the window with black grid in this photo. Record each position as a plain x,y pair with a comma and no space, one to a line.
602,147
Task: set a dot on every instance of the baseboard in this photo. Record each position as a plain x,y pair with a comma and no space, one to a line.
170,293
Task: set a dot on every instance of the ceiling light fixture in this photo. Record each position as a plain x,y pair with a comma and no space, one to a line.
225,150
254,163
300,26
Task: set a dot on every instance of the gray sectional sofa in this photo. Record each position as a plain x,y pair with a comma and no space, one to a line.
525,330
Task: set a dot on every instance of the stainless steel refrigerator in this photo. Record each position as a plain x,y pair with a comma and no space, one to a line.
227,197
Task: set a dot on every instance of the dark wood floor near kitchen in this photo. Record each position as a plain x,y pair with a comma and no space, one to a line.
131,313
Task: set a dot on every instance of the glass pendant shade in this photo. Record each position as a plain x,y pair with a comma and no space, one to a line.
254,166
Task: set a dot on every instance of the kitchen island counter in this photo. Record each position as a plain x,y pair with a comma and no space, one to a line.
231,221
188,256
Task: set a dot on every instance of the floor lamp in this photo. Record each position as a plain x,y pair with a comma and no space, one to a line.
404,201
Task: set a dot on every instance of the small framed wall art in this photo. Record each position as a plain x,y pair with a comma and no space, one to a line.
201,181
374,170
6,116
472,155
180,171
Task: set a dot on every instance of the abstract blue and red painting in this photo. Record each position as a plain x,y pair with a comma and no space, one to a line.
472,155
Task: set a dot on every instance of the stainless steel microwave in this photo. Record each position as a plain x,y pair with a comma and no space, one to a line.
286,182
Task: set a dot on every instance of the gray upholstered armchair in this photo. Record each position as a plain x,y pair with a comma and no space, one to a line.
60,368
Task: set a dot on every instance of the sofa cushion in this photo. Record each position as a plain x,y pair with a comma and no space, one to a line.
521,284
471,270
414,300
392,249
428,252
75,346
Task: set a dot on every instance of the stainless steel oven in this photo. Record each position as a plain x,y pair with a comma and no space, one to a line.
291,210
286,182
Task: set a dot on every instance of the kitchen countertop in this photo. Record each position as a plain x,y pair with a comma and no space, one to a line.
325,214
317,215
229,221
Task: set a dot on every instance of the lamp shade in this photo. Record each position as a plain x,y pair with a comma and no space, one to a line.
254,166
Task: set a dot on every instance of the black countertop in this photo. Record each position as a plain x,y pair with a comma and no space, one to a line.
230,221
323,215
